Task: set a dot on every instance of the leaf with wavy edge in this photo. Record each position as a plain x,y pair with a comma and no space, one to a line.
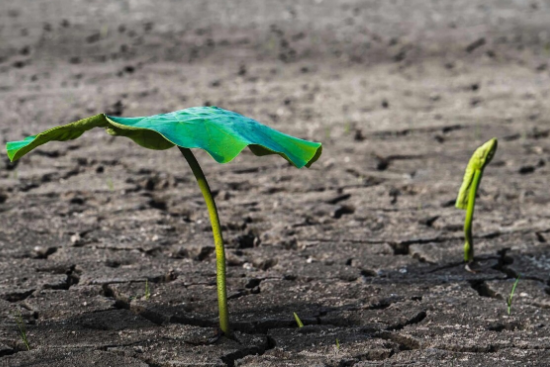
223,134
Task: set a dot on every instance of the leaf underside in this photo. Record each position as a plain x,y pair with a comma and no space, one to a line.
481,157
223,134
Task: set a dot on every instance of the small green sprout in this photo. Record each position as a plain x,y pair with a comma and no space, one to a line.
328,132
110,184
477,132
223,134
22,329
298,321
347,128
104,31
509,300
467,194
337,344
147,290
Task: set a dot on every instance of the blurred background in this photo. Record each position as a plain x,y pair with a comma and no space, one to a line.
318,63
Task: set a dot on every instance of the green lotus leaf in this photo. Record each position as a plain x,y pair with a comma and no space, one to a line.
223,134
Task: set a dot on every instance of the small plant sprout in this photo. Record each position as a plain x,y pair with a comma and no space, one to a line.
147,290
467,195
298,321
328,131
110,184
223,134
22,329
509,300
347,128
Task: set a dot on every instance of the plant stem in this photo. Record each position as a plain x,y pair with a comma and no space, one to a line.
147,290
509,301
469,241
218,239
22,330
298,321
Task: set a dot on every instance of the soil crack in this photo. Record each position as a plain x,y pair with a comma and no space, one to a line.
413,320
483,289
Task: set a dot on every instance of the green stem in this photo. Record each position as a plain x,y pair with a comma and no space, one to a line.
469,240
218,239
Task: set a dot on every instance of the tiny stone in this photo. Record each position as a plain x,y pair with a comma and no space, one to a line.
75,239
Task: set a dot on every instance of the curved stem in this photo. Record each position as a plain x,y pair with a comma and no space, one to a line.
218,239
469,240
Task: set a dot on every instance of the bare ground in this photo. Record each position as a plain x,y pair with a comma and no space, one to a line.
365,246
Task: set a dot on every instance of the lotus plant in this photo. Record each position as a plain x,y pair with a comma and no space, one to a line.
223,134
467,195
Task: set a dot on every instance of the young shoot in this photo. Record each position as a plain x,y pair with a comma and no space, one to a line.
467,195
147,290
509,300
298,321
110,184
22,330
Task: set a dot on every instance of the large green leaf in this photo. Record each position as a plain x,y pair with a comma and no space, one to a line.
223,134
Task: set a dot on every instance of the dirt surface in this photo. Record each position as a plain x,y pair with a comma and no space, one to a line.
366,246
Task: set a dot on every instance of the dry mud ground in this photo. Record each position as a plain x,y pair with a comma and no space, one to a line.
365,246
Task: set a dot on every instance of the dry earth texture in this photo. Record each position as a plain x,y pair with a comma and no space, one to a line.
365,246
